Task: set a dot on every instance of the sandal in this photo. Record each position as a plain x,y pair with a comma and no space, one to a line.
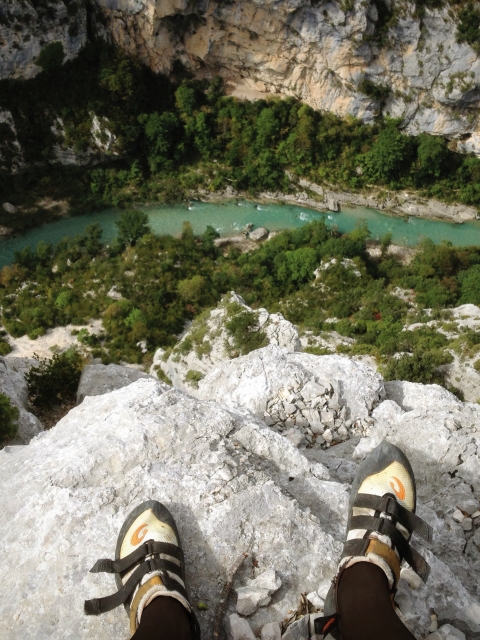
148,563
380,524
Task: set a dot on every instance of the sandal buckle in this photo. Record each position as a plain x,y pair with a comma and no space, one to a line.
391,507
149,548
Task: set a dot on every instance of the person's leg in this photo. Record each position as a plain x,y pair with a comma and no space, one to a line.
365,606
149,568
381,520
164,619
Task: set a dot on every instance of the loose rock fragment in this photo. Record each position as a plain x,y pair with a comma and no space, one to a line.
315,600
266,580
271,631
250,598
298,630
411,578
467,524
238,628
446,632
323,588
327,435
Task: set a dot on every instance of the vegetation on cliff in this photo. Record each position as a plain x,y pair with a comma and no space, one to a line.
145,293
152,139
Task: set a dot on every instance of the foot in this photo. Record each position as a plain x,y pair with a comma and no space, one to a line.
381,521
148,563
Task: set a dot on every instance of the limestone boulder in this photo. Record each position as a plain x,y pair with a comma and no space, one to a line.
236,485
259,234
254,379
207,343
97,379
111,452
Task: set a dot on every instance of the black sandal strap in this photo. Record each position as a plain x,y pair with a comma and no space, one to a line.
325,624
164,567
386,527
388,504
146,549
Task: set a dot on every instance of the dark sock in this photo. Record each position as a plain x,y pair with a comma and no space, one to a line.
365,606
164,619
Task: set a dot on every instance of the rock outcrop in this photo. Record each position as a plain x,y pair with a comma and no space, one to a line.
324,53
13,385
235,486
208,342
28,27
98,379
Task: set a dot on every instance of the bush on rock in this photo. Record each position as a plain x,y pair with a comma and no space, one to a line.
8,418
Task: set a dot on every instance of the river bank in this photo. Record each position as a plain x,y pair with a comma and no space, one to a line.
304,194
314,196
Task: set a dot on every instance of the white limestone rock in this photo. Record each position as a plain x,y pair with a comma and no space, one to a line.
446,632
299,630
250,598
238,628
207,342
254,379
234,485
267,580
97,379
315,600
14,386
259,234
271,631
139,442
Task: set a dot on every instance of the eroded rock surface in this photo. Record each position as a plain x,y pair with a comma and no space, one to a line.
324,53
98,379
234,485
208,342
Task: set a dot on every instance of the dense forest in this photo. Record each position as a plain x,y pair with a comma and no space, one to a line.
160,282
152,139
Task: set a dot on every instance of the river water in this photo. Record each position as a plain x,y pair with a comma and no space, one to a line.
231,217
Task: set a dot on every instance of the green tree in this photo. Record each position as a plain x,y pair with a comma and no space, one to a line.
93,235
132,225
164,133
63,299
8,418
389,156
297,266
470,285
186,100
192,289
51,57
432,153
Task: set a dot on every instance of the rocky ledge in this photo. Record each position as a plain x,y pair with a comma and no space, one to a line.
237,485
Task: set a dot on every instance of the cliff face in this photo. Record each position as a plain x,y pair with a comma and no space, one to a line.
320,52
27,27
325,53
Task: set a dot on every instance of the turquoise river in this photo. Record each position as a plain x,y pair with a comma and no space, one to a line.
232,216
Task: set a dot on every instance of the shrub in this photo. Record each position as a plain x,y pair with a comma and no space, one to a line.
244,331
378,92
5,348
55,380
132,225
421,366
8,418
194,377
51,57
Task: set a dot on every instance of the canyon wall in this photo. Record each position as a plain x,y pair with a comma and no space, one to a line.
320,52
328,54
